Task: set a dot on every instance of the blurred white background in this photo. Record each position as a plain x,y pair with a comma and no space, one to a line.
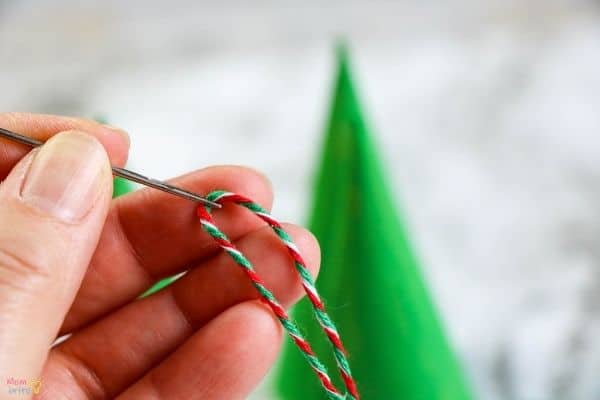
487,115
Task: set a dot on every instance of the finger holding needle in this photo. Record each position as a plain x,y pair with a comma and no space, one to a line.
124,173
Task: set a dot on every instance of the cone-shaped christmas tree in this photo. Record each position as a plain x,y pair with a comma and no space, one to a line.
369,278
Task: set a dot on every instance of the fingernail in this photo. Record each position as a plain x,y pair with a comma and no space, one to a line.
66,176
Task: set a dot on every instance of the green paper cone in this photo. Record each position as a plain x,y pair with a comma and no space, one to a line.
370,279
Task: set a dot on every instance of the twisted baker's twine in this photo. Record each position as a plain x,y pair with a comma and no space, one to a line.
327,324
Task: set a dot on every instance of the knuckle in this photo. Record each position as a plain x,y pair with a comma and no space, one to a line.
16,270
83,374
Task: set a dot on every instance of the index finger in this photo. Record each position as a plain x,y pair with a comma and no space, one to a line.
149,235
42,127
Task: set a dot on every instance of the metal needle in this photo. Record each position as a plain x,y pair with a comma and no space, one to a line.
124,173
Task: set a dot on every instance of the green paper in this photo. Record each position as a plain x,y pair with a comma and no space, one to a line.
160,285
121,187
370,279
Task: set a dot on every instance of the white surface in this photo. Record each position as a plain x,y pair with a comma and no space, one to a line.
487,115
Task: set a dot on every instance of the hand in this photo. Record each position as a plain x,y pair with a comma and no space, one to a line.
74,261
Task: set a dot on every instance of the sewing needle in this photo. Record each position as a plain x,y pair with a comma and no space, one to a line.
124,173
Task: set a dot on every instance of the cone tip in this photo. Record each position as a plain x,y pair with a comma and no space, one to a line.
342,53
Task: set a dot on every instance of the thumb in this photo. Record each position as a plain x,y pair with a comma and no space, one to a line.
52,209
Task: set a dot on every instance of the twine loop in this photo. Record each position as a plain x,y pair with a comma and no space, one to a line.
327,325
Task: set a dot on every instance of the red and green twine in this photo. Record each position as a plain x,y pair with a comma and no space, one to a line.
208,223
